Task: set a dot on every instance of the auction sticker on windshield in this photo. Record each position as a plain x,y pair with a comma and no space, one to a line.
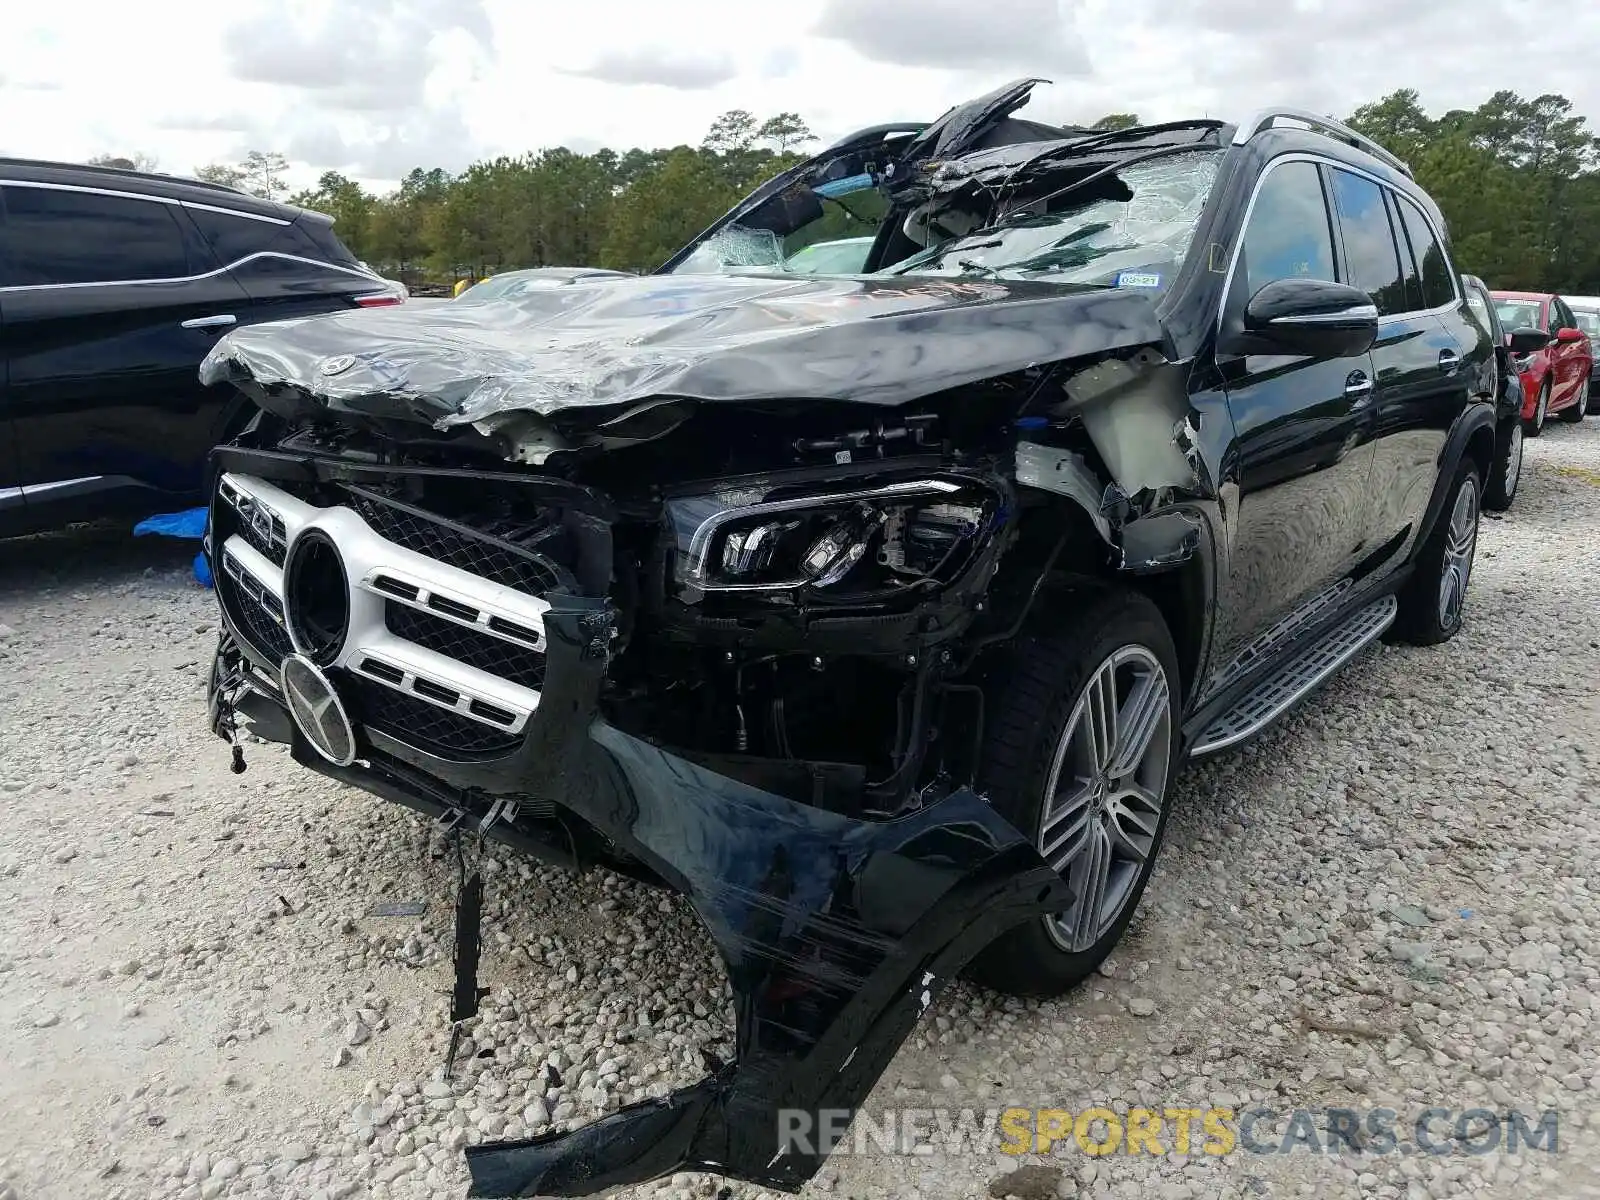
1138,279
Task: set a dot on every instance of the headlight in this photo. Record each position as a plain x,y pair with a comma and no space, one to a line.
843,545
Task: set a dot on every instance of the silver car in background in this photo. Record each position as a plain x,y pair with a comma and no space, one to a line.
1587,310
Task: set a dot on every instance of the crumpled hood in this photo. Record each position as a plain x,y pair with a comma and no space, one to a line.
607,342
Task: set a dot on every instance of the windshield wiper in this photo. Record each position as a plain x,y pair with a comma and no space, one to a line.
939,250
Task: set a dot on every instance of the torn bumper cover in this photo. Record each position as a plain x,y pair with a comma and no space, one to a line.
836,932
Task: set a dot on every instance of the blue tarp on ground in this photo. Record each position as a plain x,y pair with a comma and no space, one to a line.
189,525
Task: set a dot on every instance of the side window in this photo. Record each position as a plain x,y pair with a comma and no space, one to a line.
1560,315
1437,288
1408,263
55,236
1288,236
328,246
1369,243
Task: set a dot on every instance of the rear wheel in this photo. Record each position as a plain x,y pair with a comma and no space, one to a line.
1534,425
1573,413
1505,472
1433,600
1079,754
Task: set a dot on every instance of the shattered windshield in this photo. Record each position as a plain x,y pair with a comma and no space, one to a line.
835,240
1138,239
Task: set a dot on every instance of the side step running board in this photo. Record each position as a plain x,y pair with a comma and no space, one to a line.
1274,696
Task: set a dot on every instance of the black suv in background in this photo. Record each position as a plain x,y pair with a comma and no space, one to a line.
874,611
1505,472
113,286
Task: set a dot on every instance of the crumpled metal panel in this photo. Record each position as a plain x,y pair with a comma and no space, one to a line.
607,344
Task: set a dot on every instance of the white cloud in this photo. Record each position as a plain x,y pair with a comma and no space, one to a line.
374,87
663,68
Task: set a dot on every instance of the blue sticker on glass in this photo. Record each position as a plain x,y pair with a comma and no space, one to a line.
1138,279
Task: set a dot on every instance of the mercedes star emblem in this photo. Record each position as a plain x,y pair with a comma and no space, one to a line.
317,711
336,364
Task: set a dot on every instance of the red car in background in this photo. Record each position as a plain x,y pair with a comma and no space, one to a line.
1555,379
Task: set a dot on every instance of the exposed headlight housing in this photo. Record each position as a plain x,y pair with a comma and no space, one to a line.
849,545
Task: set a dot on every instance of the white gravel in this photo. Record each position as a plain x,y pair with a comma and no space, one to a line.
1387,902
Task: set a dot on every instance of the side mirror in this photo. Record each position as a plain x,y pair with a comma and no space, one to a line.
1527,340
1313,317
1571,335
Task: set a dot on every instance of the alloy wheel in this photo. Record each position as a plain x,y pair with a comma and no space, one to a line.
1514,460
1460,542
1105,792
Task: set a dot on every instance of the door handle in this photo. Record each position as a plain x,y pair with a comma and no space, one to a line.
216,322
1358,389
1449,360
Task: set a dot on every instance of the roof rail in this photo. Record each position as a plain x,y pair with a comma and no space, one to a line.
123,173
1265,119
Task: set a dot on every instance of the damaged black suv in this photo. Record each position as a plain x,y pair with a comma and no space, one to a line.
873,612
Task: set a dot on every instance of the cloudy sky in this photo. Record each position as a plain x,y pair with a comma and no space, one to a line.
375,87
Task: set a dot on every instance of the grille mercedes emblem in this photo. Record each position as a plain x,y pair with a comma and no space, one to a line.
336,364
317,710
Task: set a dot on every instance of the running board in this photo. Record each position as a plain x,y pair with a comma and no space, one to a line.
1275,695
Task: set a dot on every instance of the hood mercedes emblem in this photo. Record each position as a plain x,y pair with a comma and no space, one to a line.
336,364
317,710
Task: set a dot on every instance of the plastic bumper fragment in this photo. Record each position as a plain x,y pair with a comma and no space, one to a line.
836,934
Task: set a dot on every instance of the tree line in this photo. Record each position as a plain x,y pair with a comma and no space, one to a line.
1518,181
558,207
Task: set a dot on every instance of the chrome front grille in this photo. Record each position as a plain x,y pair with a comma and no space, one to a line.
445,644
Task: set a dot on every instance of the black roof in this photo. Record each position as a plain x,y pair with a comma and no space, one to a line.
145,183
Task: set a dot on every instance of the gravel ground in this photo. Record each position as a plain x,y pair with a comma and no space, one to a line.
1386,902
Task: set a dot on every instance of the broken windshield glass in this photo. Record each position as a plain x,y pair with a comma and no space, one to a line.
1137,239
834,241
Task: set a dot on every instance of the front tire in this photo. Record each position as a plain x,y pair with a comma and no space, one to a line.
1505,472
1534,426
1434,598
1079,754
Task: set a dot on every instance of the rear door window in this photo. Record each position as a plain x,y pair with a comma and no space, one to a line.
1438,288
1371,259
54,236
